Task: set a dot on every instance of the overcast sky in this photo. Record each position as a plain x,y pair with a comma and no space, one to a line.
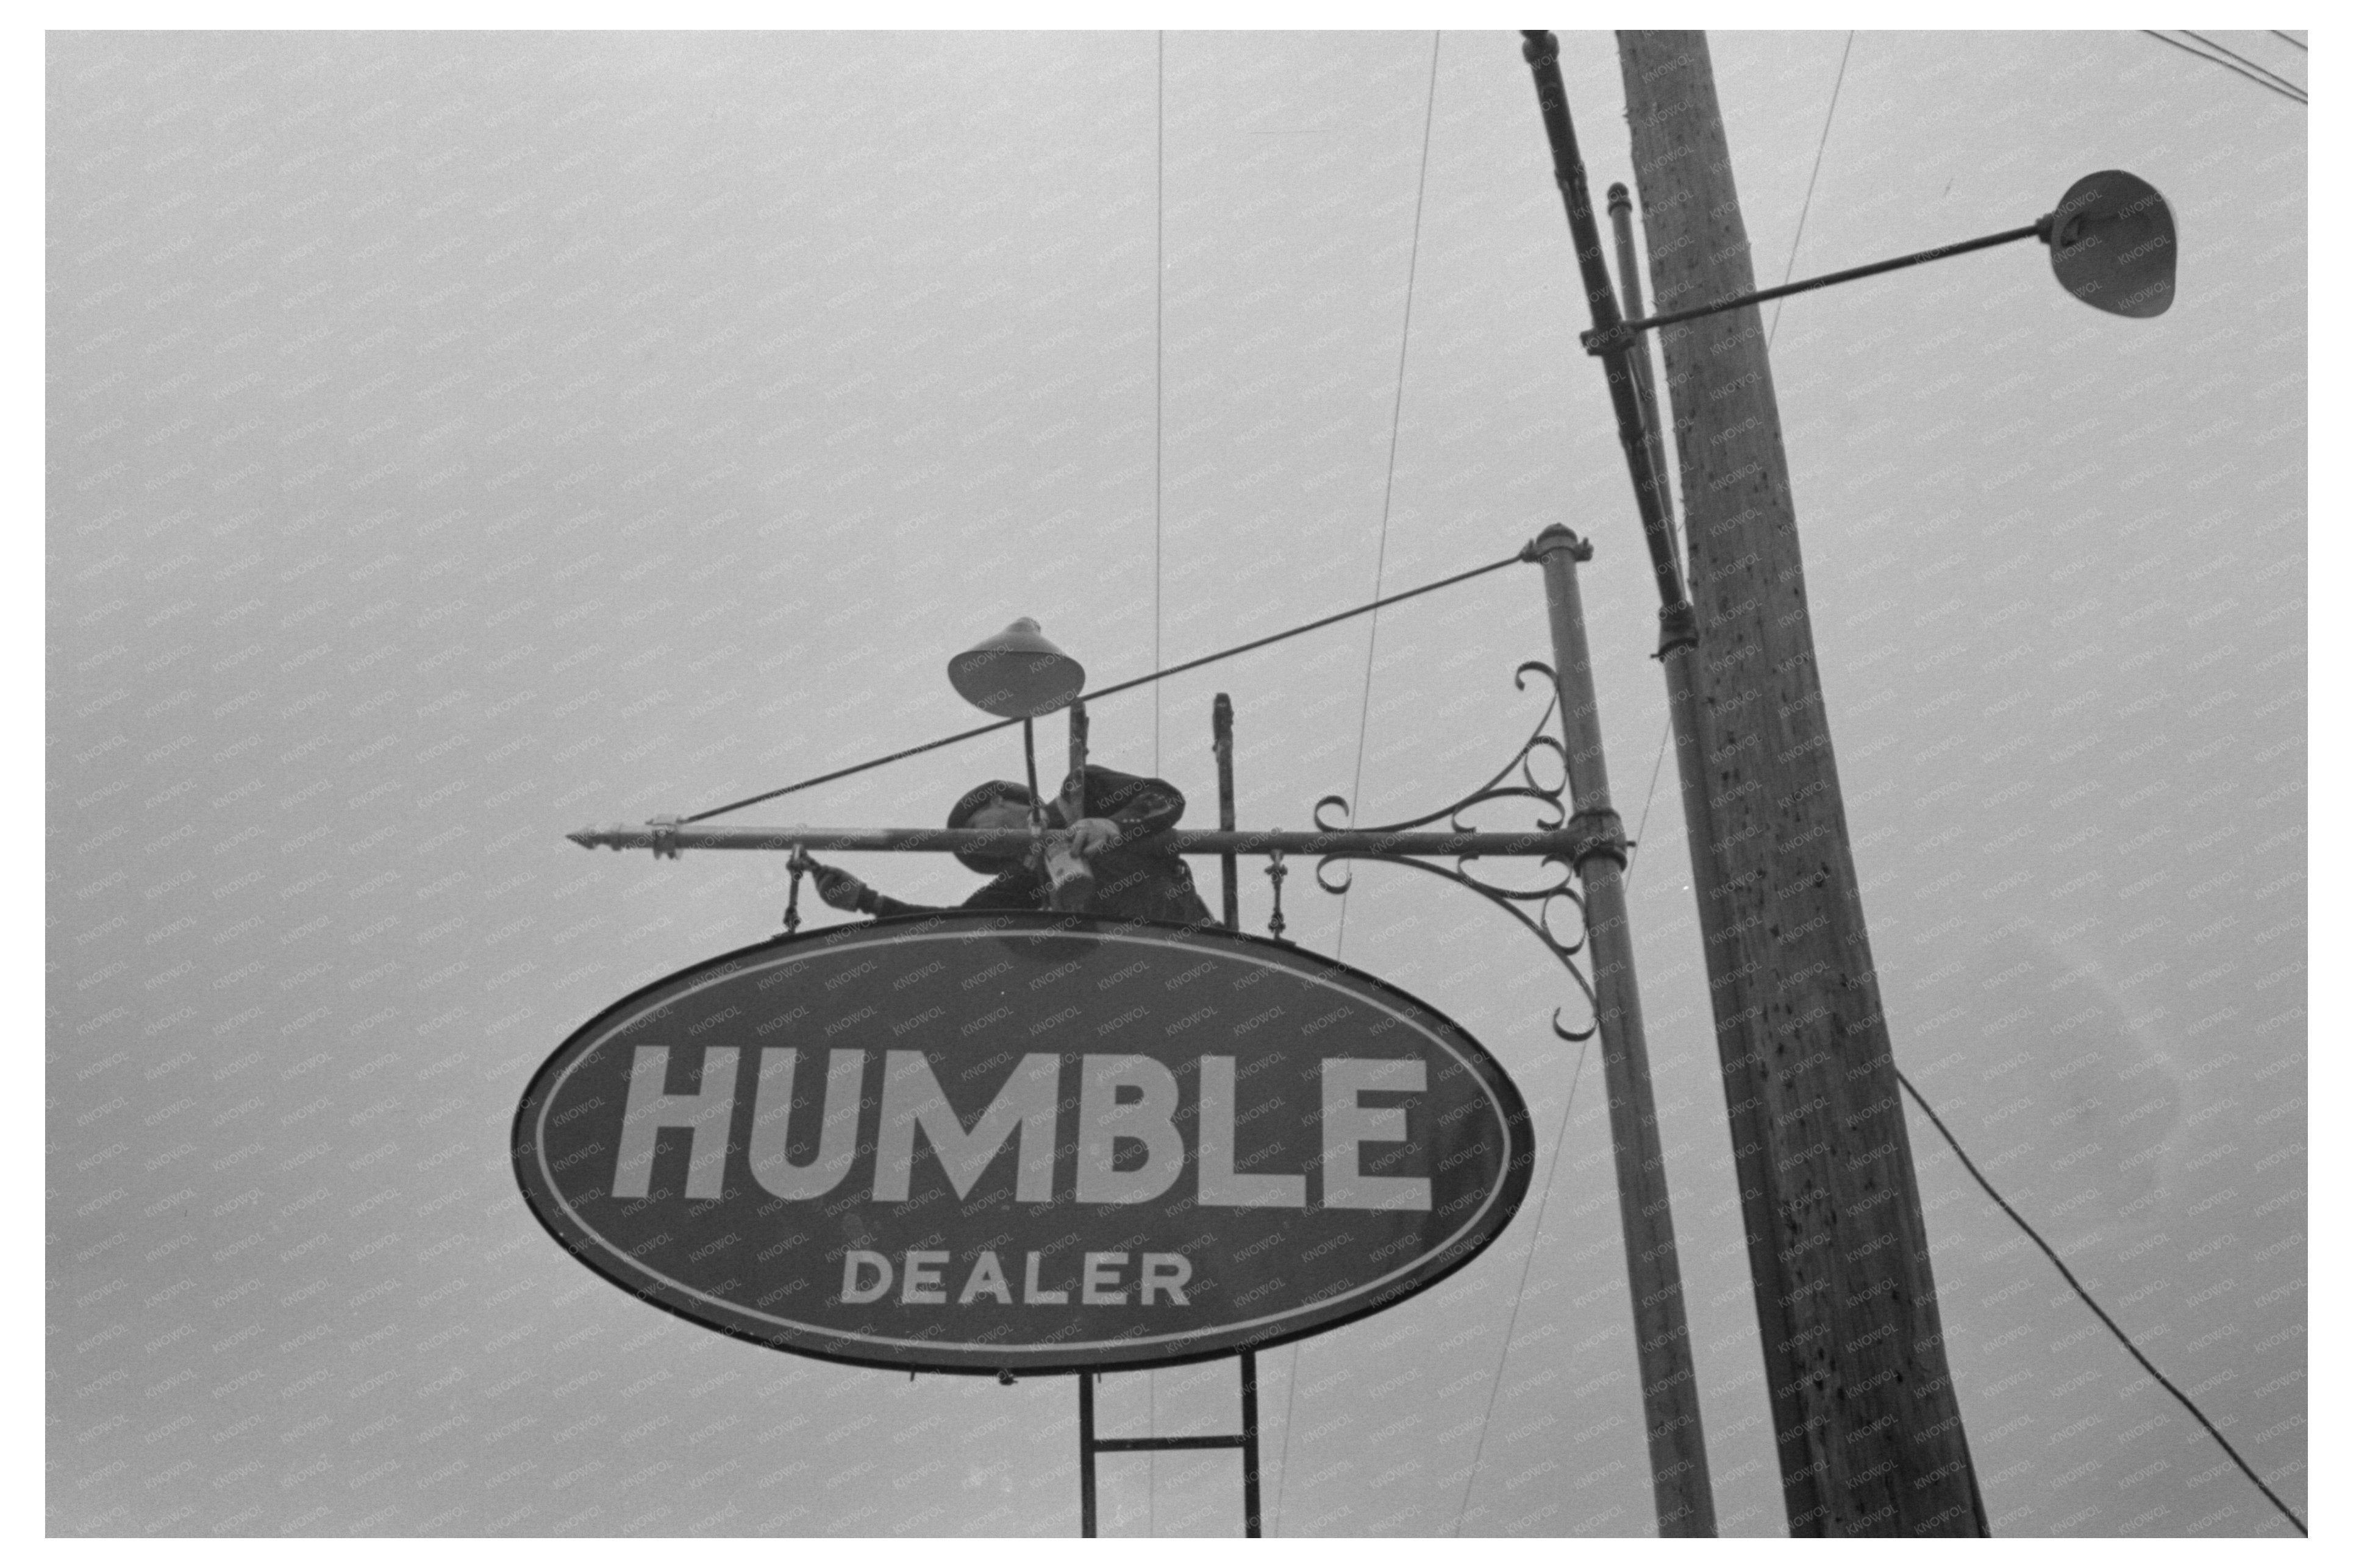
458,440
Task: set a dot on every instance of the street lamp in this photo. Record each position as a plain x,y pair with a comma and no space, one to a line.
2111,246
1018,674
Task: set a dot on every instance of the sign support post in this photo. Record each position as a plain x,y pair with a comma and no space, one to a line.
1671,1415
1221,743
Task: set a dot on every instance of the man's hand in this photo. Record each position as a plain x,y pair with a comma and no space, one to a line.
1093,835
838,888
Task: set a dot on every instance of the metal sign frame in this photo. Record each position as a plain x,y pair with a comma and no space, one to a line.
1510,1188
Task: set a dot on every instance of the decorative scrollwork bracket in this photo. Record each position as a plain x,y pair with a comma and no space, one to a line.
1534,907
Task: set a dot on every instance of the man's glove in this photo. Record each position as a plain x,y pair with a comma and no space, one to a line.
1093,835
842,890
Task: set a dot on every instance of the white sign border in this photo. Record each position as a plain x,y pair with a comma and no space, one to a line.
930,932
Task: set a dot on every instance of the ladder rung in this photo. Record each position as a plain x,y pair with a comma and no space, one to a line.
1135,1444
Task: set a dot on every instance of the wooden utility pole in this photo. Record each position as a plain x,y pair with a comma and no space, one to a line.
1868,1423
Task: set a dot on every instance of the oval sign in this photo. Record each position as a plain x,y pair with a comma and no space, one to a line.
1021,1143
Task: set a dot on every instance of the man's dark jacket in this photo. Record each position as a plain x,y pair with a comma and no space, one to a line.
1134,880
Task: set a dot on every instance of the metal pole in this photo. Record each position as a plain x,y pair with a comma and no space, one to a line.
1078,800
1678,1475
1087,1454
1542,51
1221,741
1638,361
1029,761
666,838
1601,338
1250,1443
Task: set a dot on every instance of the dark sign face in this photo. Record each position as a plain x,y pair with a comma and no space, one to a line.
1021,1142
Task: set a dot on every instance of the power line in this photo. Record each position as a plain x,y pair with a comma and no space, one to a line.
1559,1137
1388,482
1159,337
2212,60
1159,356
1790,271
2122,1338
1364,710
2225,49
2285,39
1634,845
1191,664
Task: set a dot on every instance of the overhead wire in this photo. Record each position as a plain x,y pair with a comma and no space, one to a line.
1536,1234
1159,354
1820,145
2214,59
1159,339
1397,418
1364,711
2098,1311
1174,669
2251,65
2285,39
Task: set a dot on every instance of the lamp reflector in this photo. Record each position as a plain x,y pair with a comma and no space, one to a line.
2113,245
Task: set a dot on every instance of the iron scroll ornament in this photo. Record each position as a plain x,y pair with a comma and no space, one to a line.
1552,808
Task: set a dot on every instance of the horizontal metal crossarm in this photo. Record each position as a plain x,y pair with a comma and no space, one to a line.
664,837
1154,1445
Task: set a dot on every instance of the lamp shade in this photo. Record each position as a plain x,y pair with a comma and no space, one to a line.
2112,244
1016,674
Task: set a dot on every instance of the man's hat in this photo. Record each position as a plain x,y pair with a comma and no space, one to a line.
987,862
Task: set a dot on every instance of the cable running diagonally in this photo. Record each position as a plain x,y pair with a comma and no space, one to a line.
1380,563
2234,70
1559,1137
1808,206
2296,87
2069,1275
1634,845
1388,482
1189,665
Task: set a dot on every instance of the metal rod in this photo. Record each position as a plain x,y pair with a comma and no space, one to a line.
1087,1454
666,838
1638,360
1029,761
1154,1445
1678,1449
1601,338
1250,1445
1542,51
1221,741
1078,775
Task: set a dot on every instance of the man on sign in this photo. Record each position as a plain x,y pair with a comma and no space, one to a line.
1134,877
